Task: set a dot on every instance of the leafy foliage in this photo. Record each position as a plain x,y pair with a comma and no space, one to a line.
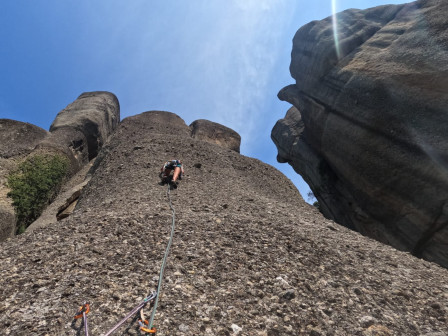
34,185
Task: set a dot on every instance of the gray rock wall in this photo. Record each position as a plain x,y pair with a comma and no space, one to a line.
369,130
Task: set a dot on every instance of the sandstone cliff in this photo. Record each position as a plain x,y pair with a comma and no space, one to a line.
368,127
249,256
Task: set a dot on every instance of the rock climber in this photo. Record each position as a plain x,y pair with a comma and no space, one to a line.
172,166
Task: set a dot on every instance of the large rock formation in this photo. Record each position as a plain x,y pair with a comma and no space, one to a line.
160,121
249,256
215,133
369,128
77,134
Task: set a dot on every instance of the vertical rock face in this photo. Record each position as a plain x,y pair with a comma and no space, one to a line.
368,131
215,133
87,122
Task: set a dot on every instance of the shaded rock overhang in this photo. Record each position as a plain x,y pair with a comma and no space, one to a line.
369,130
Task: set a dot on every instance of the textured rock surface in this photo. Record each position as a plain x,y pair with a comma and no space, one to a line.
92,118
241,261
17,139
370,138
215,133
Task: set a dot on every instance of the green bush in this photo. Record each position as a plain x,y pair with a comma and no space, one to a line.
34,185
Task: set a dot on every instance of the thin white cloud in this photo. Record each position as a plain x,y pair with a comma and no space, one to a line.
231,63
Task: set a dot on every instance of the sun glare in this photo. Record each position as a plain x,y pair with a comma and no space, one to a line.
335,28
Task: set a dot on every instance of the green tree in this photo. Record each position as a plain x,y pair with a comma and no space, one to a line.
34,185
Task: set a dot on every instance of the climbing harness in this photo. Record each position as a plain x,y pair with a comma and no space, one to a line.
145,326
168,168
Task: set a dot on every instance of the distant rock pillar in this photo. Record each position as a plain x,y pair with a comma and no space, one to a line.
84,125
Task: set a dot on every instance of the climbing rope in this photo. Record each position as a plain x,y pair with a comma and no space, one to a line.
144,324
162,268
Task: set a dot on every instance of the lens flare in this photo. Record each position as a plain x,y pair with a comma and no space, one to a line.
335,28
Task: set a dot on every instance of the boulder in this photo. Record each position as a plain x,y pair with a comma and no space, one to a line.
161,122
368,131
86,123
216,134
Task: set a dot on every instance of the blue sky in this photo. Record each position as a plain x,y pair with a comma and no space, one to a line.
221,60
